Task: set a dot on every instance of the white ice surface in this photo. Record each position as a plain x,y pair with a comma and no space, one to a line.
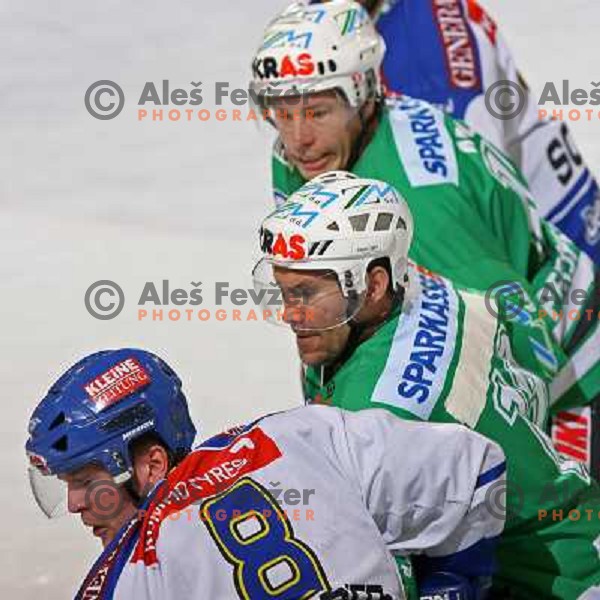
83,200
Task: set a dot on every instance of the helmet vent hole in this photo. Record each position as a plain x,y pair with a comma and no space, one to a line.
359,222
401,224
384,222
128,419
61,444
59,420
333,226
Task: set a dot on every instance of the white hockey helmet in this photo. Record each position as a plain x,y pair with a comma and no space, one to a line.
339,223
319,47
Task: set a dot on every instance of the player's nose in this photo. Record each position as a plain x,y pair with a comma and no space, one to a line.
297,317
302,133
76,501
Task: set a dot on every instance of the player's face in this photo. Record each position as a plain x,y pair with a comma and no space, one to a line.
102,505
323,137
325,306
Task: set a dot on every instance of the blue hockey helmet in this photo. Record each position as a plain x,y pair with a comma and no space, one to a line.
96,409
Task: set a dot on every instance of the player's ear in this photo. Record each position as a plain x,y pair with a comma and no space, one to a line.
378,281
150,466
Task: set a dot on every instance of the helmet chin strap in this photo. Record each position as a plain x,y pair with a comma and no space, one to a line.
327,371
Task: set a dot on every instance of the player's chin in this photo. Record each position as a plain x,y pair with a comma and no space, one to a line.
312,359
311,349
104,534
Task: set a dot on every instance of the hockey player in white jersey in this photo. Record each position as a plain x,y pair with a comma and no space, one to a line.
309,503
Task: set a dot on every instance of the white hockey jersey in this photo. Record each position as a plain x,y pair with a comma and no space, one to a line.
309,503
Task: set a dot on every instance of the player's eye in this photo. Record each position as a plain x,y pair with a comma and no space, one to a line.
81,483
319,112
301,295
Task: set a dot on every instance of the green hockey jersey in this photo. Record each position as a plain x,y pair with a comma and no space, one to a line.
475,224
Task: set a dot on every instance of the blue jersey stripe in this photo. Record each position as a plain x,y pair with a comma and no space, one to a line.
571,195
574,223
491,475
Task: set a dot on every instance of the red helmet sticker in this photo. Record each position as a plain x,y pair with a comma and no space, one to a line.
116,383
292,247
269,67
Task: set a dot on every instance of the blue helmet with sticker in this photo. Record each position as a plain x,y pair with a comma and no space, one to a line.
100,405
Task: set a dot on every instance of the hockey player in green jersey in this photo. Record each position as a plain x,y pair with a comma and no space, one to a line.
374,330
317,71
